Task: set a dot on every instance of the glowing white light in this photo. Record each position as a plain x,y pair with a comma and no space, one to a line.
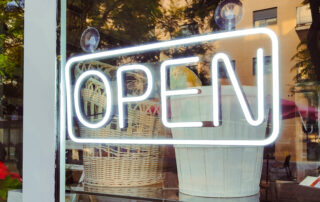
120,83
165,93
108,103
235,83
181,42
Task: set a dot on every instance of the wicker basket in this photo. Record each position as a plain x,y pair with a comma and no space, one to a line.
120,165
154,191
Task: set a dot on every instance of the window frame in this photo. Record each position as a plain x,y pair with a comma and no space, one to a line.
265,18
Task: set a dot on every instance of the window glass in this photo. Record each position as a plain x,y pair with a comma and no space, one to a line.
303,15
267,65
11,95
222,67
199,143
265,17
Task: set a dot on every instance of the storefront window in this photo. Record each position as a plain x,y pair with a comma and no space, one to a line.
190,100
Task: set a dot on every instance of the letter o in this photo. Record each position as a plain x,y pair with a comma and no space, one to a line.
108,103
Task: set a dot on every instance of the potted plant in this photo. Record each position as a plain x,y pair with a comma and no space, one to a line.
8,181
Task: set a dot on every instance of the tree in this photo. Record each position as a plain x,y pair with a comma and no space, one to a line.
306,69
125,23
195,17
306,77
11,51
120,23
313,39
307,58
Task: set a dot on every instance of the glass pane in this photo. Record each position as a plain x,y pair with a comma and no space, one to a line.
267,65
260,23
265,14
11,95
271,21
199,141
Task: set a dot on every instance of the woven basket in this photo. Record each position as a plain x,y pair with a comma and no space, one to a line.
154,191
120,165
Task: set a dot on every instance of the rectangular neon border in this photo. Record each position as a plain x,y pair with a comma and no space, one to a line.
179,42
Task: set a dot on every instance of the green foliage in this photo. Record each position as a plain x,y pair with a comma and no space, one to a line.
170,20
306,70
11,45
119,22
125,23
7,184
202,10
197,13
306,78
194,18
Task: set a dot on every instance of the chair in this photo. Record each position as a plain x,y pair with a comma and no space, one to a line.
278,169
286,166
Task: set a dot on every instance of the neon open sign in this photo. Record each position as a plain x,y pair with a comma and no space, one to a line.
73,94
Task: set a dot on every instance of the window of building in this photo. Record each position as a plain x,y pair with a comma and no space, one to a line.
222,69
265,17
267,65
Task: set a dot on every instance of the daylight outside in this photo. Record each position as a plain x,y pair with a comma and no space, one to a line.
192,172
11,95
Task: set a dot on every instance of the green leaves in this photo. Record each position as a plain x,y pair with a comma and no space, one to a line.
306,74
202,10
7,184
306,71
119,22
11,64
11,47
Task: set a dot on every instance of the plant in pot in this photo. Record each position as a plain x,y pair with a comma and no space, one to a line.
8,181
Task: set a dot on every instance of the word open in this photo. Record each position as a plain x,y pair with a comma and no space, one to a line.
73,102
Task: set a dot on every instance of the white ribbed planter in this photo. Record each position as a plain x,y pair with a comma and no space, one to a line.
217,171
